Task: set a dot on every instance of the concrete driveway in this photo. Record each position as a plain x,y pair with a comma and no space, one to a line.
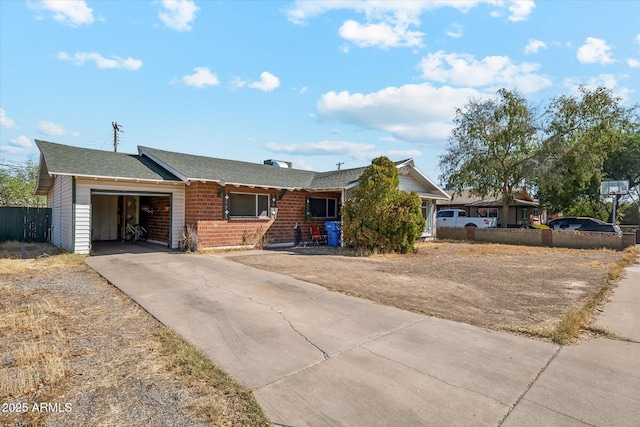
316,358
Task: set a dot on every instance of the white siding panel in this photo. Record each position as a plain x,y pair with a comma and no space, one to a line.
59,200
409,184
83,205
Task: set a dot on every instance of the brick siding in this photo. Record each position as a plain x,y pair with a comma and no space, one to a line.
158,223
204,208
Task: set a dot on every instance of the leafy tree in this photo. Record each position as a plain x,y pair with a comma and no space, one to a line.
582,133
492,147
18,184
624,164
500,144
378,216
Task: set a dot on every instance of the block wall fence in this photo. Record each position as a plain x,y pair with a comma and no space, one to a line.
547,237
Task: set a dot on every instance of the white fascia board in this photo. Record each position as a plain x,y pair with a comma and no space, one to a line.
443,195
177,174
113,178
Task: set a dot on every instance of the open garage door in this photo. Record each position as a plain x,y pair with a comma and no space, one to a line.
113,214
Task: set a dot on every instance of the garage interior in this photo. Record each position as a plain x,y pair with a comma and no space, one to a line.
110,214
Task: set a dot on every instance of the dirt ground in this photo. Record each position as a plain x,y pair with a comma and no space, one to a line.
517,288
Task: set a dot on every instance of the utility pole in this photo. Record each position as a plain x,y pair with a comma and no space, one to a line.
116,128
339,164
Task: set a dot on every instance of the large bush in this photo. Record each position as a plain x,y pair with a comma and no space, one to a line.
378,216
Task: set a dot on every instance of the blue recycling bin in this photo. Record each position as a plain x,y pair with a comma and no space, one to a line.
333,232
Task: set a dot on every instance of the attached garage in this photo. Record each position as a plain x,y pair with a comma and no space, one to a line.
95,194
115,215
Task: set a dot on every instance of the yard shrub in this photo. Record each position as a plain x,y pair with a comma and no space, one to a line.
380,217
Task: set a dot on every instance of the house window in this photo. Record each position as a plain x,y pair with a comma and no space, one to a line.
525,214
492,212
323,208
249,205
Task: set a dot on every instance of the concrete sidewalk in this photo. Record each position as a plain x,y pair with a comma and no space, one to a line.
314,357
597,382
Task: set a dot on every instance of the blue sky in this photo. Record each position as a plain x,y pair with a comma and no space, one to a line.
312,82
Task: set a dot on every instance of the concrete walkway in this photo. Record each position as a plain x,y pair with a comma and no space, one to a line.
318,358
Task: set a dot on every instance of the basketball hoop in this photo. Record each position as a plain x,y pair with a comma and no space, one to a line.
614,188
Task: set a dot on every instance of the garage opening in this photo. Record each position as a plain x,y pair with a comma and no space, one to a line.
127,217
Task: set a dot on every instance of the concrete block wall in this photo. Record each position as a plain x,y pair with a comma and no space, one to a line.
561,239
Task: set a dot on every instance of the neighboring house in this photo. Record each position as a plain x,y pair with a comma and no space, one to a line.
523,209
94,194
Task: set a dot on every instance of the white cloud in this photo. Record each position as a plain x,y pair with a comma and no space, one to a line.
637,39
267,83
115,62
19,146
200,78
178,14
520,10
417,113
534,46
21,142
402,11
53,129
383,35
70,12
633,63
388,23
6,122
595,51
603,80
490,72
454,31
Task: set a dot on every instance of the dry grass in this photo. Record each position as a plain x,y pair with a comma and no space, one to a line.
33,352
541,292
211,382
578,319
68,336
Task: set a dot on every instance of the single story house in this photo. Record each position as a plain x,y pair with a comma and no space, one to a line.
523,209
95,194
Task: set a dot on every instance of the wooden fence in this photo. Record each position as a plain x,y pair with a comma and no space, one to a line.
25,224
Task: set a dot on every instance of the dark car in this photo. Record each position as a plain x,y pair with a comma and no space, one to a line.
583,224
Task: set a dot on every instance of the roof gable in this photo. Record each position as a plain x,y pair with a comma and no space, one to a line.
59,159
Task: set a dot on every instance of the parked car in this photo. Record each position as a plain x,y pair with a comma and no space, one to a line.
535,226
458,218
583,224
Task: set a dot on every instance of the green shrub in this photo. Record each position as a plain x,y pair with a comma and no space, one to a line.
378,216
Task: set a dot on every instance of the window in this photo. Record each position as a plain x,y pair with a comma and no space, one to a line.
249,205
492,212
323,208
525,214
445,214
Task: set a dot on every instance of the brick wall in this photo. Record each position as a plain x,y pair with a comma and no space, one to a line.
158,223
204,204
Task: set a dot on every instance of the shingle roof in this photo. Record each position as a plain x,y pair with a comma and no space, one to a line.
160,165
77,161
194,168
